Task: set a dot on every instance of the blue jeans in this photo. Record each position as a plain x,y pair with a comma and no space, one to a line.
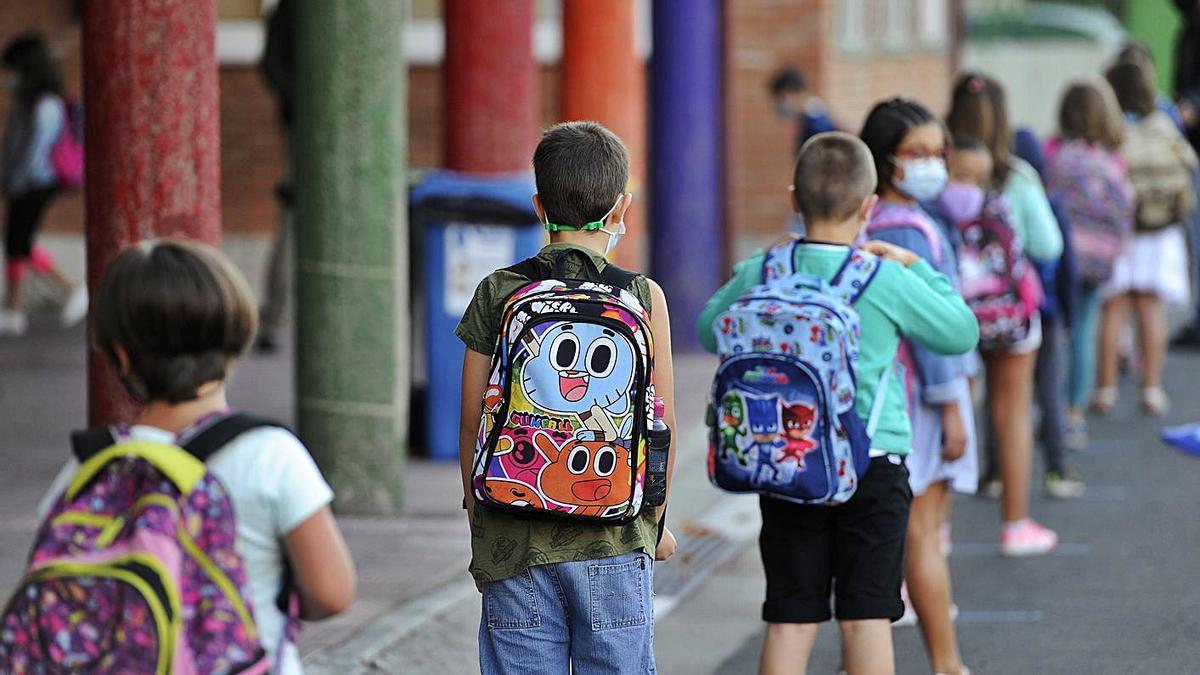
594,616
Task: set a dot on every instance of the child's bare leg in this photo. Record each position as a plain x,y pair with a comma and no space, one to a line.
1010,378
866,647
929,578
1152,335
12,300
787,648
1116,313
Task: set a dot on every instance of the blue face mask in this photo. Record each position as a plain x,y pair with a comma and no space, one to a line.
924,179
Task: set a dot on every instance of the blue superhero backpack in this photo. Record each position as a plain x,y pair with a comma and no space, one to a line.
782,415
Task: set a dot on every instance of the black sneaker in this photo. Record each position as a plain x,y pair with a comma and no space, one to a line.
1188,338
265,345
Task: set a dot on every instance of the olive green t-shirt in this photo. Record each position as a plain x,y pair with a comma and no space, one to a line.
504,544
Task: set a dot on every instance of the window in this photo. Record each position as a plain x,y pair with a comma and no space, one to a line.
851,25
934,24
897,24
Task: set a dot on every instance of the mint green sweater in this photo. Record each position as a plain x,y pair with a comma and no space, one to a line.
916,302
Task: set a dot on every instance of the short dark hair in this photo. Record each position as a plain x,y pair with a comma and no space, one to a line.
833,176
180,311
581,168
885,128
788,80
1088,112
1133,88
38,74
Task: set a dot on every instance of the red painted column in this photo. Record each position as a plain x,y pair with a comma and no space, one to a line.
491,85
153,141
603,80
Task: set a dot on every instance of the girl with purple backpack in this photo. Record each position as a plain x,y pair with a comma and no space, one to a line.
908,144
172,318
979,110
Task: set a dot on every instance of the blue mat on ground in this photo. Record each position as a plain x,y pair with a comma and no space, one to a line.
1186,437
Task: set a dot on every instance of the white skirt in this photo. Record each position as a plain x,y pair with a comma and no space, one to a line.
925,464
1155,262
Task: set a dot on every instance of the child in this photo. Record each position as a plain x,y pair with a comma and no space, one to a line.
979,110
860,544
172,317
908,144
562,595
1153,270
37,119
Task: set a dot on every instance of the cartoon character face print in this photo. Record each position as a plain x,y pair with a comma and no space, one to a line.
799,421
521,456
513,493
762,412
735,414
587,474
579,366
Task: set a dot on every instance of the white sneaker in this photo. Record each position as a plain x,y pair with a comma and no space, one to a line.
13,323
75,309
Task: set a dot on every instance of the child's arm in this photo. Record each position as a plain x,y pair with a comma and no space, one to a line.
745,274
921,302
476,368
324,572
664,387
1038,227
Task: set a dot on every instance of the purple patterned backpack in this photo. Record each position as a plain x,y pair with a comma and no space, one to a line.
135,568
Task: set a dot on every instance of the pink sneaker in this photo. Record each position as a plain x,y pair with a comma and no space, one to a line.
1026,538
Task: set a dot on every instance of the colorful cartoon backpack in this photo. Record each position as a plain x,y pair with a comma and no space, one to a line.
782,412
570,397
135,568
997,282
1161,163
1089,183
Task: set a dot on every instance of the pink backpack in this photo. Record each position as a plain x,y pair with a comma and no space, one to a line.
66,155
997,282
1089,183
135,568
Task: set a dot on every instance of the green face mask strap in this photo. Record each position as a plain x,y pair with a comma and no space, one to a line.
588,227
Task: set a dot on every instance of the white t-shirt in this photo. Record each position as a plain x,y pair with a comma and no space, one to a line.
274,486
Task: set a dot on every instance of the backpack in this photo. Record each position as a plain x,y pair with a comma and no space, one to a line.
1090,185
996,280
569,399
1161,164
781,412
135,568
66,155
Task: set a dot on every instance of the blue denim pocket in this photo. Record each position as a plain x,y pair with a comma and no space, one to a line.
511,603
619,593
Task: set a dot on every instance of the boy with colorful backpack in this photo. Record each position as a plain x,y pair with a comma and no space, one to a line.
813,326
140,565
567,401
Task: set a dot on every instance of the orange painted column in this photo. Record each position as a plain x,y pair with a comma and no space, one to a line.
604,80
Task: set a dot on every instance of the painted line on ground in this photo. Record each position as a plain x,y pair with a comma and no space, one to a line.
999,616
977,550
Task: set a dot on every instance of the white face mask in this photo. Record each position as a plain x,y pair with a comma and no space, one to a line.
924,179
613,237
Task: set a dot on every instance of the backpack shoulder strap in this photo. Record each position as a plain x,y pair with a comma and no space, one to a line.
855,274
88,443
617,277
534,269
780,261
220,433
919,223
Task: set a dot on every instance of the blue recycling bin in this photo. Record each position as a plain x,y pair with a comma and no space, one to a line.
472,225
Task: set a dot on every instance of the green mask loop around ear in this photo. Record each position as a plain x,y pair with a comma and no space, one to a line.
587,227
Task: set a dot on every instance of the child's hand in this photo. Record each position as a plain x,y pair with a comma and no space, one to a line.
666,547
891,252
954,433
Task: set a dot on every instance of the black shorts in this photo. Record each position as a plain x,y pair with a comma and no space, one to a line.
856,548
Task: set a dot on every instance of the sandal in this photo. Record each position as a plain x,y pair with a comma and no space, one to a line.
1155,401
1104,400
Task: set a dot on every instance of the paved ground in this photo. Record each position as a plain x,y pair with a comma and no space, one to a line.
1120,596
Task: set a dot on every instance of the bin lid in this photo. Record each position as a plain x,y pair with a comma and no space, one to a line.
511,190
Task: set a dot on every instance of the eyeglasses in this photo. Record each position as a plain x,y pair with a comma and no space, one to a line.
920,153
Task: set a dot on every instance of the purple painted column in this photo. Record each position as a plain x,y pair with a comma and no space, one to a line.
685,159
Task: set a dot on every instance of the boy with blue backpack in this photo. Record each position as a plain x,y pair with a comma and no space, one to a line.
808,333
564,433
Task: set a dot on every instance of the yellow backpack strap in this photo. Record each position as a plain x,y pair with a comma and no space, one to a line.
182,469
